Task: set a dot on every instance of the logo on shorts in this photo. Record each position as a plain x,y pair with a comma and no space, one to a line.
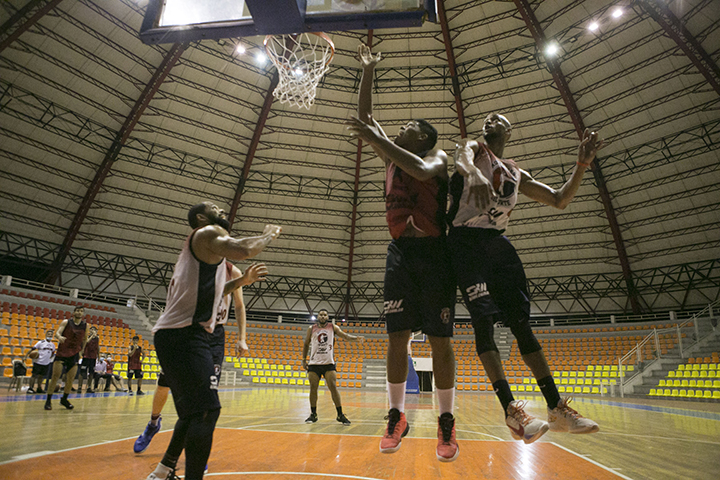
476,291
445,315
393,306
214,378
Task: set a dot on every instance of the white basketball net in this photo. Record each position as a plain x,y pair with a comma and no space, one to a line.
301,61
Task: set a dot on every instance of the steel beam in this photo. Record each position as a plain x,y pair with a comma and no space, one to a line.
259,126
121,137
451,65
662,14
27,24
348,303
561,83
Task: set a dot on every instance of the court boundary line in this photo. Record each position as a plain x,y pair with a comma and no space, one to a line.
598,464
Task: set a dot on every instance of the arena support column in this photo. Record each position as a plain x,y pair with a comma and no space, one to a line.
348,303
171,58
662,14
536,30
25,26
257,133
442,16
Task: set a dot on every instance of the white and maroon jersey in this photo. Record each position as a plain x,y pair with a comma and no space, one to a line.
223,311
46,352
505,177
322,340
195,292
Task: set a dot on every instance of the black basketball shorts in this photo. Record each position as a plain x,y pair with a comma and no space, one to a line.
321,370
188,368
489,273
419,287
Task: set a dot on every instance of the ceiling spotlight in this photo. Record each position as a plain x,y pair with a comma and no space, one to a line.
552,49
298,71
312,318
593,26
260,57
617,13
240,49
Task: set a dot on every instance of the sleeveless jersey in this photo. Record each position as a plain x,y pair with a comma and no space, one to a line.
408,200
223,311
74,336
92,348
194,293
321,345
134,362
505,177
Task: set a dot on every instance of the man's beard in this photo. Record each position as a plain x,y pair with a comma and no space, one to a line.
492,135
223,222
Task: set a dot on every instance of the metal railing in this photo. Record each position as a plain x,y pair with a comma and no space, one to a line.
635,355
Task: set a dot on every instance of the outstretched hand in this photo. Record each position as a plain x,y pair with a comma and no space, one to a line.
367,59
255,273
370,133
589,146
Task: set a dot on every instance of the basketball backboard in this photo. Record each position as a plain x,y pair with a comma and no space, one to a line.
171,21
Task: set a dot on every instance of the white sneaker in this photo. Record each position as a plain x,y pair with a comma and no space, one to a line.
565,419
523,426
157,475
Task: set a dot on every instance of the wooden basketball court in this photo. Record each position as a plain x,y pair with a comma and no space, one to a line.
261,435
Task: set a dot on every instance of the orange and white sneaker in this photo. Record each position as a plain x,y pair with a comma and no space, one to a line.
523,426
397,428
447,447
564,419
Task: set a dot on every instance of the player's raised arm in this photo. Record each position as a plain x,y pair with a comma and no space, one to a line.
480,191
368,62
562,197
214,243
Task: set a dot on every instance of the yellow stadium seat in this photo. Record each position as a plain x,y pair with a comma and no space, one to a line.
652,393
521,388
246,372
681,393
716,395
292,381
671,374
307,382
661,383
690,394
256,380
322,383
263,380
707,394
666,393
586,390
578,390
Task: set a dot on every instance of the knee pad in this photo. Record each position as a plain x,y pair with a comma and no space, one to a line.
527,343
484,335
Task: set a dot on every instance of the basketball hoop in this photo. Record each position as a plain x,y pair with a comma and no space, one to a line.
301,61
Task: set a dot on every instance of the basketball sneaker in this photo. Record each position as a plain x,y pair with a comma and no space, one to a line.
65,403
30,391
397,428
144,440
343,419
523,426
39,390
170,475
140,392
564,419
312,418
447,447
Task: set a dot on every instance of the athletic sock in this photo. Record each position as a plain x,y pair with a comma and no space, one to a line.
49,397
502,390
549,391
313,410
154,419
339,410
65,395
446,398
396,395
161,470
